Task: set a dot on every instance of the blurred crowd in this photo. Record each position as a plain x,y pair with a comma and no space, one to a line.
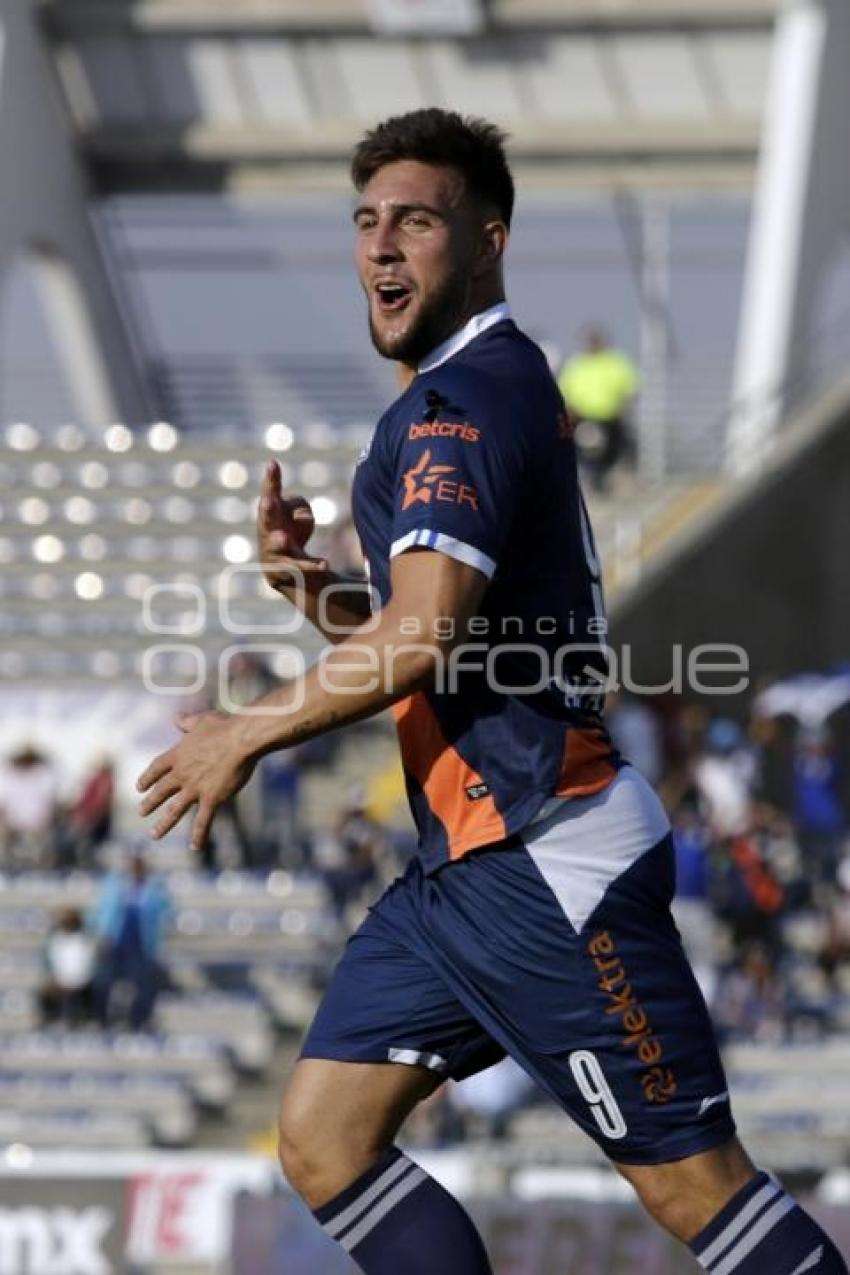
759,809
762,836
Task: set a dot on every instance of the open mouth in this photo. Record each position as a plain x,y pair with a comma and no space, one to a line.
392,297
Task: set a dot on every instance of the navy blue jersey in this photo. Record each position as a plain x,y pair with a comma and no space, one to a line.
476,460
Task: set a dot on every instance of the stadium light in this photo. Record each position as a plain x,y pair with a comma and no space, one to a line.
89,586
162,437
185,474
33,511
94,474
69,438
138,511
48,549
79,509
233,474
118,438
279,437
22,437
325,511
237,549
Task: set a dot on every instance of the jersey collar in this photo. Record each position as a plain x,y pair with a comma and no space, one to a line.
459,340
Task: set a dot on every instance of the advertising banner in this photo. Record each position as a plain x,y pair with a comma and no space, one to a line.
67,1214
62,1227
180,1213
555,1237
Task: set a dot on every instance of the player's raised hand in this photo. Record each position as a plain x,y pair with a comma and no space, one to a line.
284,526
206,766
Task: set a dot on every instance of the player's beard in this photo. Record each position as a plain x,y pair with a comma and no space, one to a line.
443,314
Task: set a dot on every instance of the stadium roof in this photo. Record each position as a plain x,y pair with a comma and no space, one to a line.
337,14
204,94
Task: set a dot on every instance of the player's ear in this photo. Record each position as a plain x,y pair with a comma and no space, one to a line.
492,244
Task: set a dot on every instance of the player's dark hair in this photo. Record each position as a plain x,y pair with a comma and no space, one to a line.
472,146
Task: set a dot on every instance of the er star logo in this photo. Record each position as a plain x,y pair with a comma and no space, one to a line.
425,482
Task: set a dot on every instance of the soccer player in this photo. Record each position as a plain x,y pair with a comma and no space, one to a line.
535,921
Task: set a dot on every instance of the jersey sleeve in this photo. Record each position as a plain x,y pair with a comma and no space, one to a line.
458,472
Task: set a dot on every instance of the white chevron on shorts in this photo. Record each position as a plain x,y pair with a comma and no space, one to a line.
583,845
811,1262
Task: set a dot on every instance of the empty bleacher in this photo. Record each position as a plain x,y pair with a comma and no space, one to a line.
244,959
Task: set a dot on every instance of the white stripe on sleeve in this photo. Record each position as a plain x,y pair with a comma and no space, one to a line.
452,548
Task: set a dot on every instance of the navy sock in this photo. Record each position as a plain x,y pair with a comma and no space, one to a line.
763,1230
398,1219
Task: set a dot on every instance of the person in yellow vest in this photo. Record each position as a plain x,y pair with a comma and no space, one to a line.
598,386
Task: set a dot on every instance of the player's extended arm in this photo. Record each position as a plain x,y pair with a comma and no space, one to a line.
284,526
396,653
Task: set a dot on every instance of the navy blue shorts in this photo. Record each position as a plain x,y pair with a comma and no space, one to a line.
558,948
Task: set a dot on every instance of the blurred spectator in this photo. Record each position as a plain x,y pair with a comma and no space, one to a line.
818,811
836,951
349,855
637,732
281,774
771,743
751,1000
724,776
692,907
493,1097
749,896
386,798
598,386
70,957
29,806
130,918
88,821
248,679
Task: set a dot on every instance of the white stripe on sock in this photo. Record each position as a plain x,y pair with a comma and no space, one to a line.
811,1262
739,1223
400,1192
359,1207
755,1235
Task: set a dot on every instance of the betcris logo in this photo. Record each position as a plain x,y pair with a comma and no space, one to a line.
426,483
444,429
